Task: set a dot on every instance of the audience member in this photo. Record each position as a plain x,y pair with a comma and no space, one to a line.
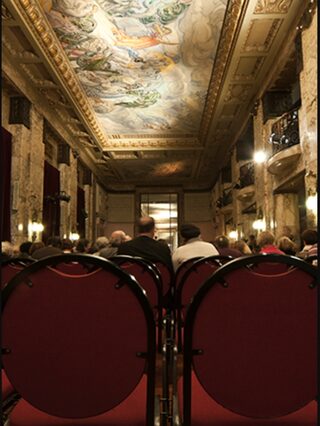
82,246
145,246
36,245
101,243
222,244
265,241
24,249
116,239
67,245
252,243
243,247
6,250
310,240
286,245
52,248
193,246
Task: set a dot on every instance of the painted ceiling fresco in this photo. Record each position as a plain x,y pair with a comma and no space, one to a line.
145,65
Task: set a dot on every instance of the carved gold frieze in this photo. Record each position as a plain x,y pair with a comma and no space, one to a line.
232,19
37,24
145,144
272,6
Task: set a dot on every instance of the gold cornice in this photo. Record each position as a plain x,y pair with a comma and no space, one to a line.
224,50
36,23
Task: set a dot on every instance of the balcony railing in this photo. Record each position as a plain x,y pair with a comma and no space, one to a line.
285,132
246,175
226,199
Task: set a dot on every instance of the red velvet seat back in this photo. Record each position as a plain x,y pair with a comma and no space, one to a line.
146,276
77,345
11,267
255,336
7,272
193,278
167,281
182,269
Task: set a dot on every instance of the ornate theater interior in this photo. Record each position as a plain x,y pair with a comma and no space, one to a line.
113,109
159,127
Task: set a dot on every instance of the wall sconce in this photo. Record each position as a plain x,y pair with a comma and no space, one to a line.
233,235
312,203
74,236
259,224
34,229
260,157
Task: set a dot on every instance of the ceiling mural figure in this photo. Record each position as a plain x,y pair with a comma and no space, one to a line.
144,64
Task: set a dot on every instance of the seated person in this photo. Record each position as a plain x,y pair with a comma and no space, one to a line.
222,243
286,245
52,248
145,245
193,246
265,241
116,239
310,239
243,247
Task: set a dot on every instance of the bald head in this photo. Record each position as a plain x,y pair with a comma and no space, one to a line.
146,225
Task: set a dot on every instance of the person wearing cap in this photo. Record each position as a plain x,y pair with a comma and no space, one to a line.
193,245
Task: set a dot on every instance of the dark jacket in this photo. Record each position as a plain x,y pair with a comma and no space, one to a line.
147,248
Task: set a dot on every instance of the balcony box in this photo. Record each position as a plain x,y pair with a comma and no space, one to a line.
280,162
246,193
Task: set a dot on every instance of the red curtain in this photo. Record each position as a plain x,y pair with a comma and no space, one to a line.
5,163
51,205
81,212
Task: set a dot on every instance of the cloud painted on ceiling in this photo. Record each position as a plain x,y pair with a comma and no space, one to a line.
145,65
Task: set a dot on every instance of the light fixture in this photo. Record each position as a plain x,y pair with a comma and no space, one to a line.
259,225
312,203
20,227
74,236
260,157
34,229
233,235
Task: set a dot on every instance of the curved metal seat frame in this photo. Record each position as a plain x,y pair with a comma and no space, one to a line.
148,276
61,331
191,280
10,267
250,338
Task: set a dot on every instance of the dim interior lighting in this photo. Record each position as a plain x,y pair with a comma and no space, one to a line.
312,202
233,235
259,225
74,236
20,227
260,157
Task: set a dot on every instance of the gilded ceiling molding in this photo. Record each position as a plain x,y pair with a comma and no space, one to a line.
36,22
272,6
228,36
173,144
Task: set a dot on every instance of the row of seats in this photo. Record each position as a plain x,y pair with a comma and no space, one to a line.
248,345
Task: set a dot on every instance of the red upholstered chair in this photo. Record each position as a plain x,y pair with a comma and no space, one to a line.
8,396
190,282
79,349
167,278
148,276
11,267
250,347
182,268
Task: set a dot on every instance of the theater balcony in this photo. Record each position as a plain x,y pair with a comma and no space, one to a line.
246,187
285,141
